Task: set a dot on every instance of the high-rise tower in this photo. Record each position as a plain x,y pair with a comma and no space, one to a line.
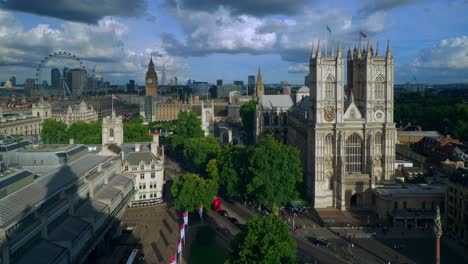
151,80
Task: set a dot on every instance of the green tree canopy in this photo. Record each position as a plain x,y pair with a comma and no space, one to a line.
191,190
188,125
85,133
247,113
233,170
448,115
136,131
276,171
54,132
264,240
200,150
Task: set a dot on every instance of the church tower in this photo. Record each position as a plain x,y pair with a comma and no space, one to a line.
351,140
326,114
259,87
112,130
151,80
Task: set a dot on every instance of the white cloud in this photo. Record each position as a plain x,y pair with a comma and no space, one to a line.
298,68
448,53
102,44
219,31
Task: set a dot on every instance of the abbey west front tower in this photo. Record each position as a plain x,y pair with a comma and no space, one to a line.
351,135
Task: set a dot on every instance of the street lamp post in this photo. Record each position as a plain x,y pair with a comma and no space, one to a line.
438,234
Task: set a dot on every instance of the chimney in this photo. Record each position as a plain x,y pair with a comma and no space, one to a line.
137,147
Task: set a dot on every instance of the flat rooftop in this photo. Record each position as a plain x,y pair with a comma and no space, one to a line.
20,203
49,148
410,189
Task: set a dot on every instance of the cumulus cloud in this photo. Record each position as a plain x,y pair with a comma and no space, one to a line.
299,68
102,44
219,32
372,6
448,53
258,8
88,11
445,62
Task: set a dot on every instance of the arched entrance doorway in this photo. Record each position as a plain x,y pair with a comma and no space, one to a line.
355,201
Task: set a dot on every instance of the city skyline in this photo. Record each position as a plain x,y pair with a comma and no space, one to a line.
214,40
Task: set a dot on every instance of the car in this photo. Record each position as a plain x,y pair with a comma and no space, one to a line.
318,241
223,213
233,220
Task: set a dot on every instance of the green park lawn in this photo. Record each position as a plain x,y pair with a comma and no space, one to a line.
205,249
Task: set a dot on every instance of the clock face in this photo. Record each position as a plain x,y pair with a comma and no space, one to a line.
329,113
149,80
379,115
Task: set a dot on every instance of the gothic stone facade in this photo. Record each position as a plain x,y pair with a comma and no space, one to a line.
350,138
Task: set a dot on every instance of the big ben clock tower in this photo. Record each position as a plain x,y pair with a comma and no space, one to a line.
151,80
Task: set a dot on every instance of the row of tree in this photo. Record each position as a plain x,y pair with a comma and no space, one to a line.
268,173
445,114
57,132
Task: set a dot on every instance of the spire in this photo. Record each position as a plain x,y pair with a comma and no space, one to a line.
259,75
368,51
349,54
339,53
259,88
371,50
355,52
319,52
312,55
389,52
359,51
377,50
332,51
351,96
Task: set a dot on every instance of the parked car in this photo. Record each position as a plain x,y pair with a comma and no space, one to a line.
318,241
233,220
223,213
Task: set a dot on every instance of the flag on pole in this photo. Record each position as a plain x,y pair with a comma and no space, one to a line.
182,231
115,97
173,260
362,34
329,29
179,246
185,215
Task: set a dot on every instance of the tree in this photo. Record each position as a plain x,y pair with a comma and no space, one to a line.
54,132
247,113
191,190
200,150
136,131
85,133
188,125
212,170
264,240
276,171
233,170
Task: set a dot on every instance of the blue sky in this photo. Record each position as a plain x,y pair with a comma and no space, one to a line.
206,40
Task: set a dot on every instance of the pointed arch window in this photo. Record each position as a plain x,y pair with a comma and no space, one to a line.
378,143
379,87
266,119
354,154
330,87
329,144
